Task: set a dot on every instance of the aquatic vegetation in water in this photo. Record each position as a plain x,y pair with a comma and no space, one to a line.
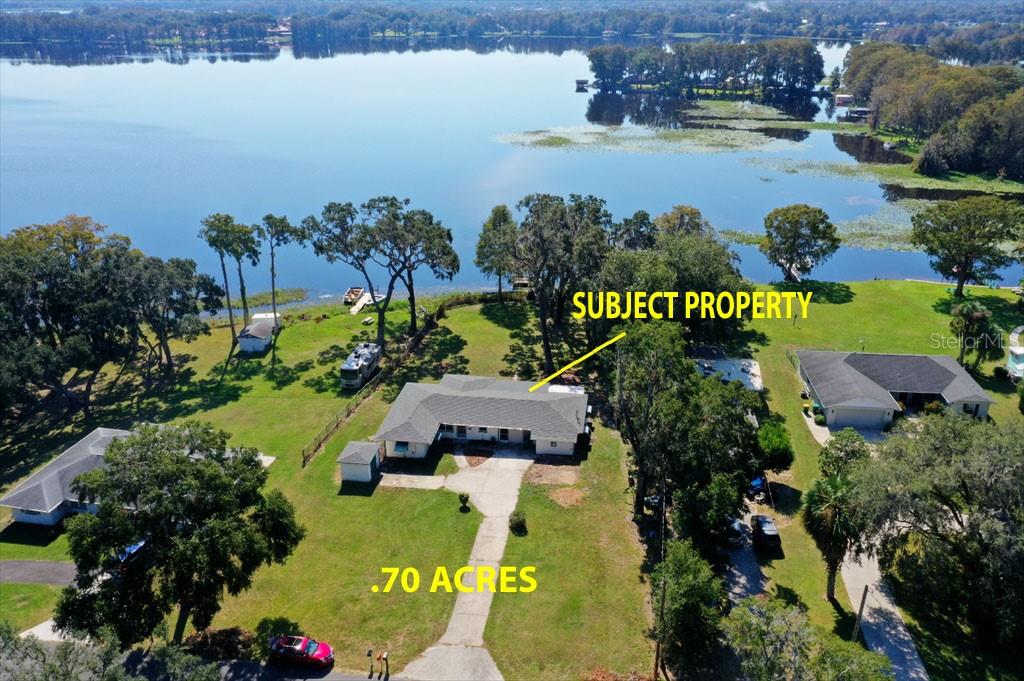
686,140
738,236
888,228
552,141
725,109
892,174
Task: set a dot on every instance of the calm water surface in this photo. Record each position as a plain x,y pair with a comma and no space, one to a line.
151,148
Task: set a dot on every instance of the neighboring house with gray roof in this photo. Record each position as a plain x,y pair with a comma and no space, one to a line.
45,497
461,407
865,390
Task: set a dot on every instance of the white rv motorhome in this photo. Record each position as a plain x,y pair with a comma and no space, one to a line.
360,365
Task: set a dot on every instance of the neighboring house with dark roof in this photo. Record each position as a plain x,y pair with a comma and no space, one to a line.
865,390
461,407
45,497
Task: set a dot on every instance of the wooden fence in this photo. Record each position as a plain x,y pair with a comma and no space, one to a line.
430,323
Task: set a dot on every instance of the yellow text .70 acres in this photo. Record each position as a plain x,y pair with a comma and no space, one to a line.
467,579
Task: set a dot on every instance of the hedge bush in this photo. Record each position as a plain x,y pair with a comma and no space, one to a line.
517,523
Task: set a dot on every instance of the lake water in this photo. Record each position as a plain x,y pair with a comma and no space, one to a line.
151,148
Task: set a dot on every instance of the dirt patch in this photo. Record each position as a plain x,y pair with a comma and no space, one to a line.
553,474
567,496
476,455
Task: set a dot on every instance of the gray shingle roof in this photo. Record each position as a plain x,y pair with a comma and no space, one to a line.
864,379
50,486
359,452
483,401
261,328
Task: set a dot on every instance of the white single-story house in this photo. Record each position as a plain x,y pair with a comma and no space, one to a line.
550,419
45,497
360,461
258,335
865,390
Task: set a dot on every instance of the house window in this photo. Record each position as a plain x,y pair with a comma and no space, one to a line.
503,434
554,444
401,446
482,429
28,512
447,428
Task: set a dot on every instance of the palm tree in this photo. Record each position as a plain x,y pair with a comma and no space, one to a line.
277,231
970,322
216,231
830,517
243,244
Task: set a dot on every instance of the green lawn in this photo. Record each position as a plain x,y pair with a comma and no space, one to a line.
25,542
276,403
590,607
888,316
353,531
26,605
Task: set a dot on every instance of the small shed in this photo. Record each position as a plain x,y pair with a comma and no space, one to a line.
257,336
360,461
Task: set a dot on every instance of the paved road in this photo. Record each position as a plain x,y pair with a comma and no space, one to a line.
37,572
882,625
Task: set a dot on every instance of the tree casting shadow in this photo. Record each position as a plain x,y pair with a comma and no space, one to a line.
832,292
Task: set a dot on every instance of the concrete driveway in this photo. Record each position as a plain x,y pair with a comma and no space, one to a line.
743,576
493,488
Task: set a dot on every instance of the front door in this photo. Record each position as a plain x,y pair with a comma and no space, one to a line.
460,431
526,437
503,434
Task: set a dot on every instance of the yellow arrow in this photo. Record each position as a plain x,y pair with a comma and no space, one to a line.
573,363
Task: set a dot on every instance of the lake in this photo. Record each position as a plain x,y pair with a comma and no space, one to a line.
151,148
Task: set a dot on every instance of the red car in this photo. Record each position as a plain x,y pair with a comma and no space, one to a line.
301,650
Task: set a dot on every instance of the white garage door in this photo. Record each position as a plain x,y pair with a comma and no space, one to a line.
859,418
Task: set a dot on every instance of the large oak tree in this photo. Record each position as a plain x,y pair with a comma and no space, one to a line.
798,238
967,239
205,522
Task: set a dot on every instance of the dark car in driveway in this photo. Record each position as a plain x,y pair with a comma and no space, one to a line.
765,534
301,651
735,534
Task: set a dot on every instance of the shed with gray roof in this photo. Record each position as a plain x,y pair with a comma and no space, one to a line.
483,408
45,497
360,461
865,390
